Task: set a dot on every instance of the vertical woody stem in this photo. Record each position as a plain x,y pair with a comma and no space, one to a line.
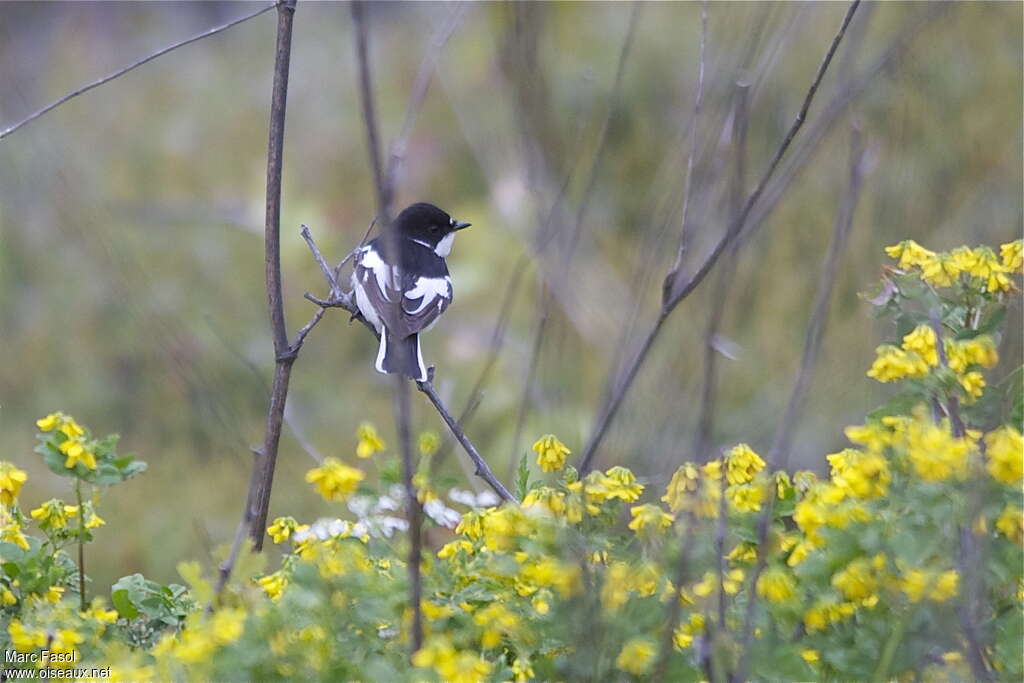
284,358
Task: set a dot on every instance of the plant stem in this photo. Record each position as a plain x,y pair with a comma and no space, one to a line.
81,544
889,652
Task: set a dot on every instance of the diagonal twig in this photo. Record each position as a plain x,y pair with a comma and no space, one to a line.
677,288
134,65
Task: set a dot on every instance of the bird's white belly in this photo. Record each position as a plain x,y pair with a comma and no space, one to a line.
363,303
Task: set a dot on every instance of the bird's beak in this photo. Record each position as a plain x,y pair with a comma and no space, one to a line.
459,225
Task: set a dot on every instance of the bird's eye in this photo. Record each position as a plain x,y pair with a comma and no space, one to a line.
433,228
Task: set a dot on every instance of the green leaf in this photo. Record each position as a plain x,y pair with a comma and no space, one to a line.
123,604
523,478
900,404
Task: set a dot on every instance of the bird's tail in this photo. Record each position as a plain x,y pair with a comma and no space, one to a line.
401,356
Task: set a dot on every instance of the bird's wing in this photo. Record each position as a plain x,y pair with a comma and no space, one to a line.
407,303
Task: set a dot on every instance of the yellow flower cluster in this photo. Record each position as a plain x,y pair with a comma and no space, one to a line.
451,665
550,453
202,636
777,585
283,528
980,266
636,656
334,480
936,586
369,442
11,479
1004,448
74,445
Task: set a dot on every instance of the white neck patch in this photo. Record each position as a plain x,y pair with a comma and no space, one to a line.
444,247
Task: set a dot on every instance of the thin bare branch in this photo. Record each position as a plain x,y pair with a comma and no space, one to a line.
415,513
475,397
697,102
705,419
370,113
779,456
134,65
284,359
482,469
329,273
832,112
676,288
420,87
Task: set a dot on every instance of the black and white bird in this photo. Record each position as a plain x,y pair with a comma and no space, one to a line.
402,286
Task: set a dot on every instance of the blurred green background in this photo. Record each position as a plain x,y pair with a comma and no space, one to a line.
131,219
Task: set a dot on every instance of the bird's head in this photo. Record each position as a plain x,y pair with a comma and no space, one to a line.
428,225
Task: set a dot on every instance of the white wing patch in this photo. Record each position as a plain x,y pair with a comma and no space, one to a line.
385,274
428,289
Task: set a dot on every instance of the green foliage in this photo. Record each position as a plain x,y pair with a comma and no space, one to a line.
869,574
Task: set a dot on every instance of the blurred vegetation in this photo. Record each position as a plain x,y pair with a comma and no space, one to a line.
131,251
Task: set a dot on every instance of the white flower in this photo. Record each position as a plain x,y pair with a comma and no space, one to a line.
441,513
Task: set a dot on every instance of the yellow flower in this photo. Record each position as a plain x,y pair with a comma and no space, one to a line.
1011,523
92,520
620,483
522,670
227,625
7,597
283,527
273,585
12,533
859,474
922,341
429,443
1005,451
776,585
433,612
940,270
26,639
550,453
649,519
452,548
545,498
746,498
935,453
76,452
1012,254
741,464
65,640
636,656
809,656
53,514
909,254
11,479
334,480
857,581
918,584
369,441
743,553
973,384
826,612
47,424
53,594
683,636
893,363
978,351
684,483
